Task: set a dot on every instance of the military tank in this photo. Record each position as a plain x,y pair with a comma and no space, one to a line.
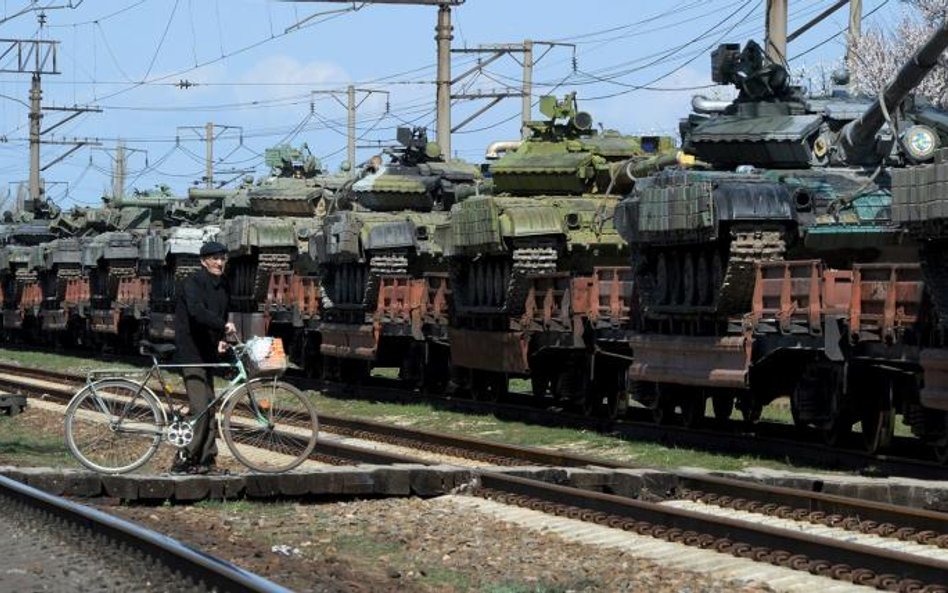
920,205
266,237
769,180
20,233
376,245
546,223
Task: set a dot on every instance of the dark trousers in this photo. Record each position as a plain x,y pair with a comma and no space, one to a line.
199,384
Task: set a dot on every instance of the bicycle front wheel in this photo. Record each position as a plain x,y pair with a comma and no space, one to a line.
114,426
269,425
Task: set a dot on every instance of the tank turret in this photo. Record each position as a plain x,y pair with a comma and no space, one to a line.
772,124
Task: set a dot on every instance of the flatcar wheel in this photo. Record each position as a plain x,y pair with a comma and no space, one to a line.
663,410
692,409
941,451
836,431
723,406
750,411
540,382
877,428
688,279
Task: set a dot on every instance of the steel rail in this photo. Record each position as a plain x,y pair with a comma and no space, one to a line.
607,508
214,572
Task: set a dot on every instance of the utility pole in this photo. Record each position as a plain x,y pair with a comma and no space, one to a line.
443,38
120,165
351,105
776,27
208,133
855,29
497,51
855,24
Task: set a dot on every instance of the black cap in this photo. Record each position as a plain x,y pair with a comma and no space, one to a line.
212,248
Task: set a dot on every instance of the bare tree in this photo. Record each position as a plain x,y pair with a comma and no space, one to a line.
880,53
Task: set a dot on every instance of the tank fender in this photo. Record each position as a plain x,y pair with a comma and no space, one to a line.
389,235
532,221
753,201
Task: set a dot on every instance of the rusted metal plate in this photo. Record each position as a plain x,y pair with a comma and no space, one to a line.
788,294
77,292
489,351
686,360
885,298
935,368
344,340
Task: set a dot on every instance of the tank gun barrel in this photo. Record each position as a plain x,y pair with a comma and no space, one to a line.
624,173
861,131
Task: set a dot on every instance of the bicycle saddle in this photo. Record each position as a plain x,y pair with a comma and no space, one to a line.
159,350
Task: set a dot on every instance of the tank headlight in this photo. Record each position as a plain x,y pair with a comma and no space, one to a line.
920,142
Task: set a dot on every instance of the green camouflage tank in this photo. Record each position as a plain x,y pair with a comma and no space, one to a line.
773,176
267,225
769,176
385,220
551,210
381,227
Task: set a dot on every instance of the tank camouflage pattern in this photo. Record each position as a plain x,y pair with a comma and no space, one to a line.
380,227
777,187
552,203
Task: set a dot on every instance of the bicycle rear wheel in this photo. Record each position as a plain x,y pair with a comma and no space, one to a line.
114,426
269,425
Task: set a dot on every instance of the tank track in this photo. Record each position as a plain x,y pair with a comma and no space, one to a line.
527,261
932,259
746,249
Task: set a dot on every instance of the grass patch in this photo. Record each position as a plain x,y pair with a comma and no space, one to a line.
23,445
61,362
425,417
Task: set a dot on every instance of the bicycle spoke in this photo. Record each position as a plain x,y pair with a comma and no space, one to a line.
270,426
113,426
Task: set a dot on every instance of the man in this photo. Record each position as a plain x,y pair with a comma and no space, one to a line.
200,325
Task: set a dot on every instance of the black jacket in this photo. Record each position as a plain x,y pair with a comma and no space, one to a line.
199,317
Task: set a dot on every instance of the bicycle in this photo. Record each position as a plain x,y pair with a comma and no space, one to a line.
115,424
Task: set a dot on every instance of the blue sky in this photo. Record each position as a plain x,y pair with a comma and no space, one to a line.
251,71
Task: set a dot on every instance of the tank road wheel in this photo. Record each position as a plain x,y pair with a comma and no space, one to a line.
878,420
498,285
723,406
703,279
488,386
662,270
674,279
716,271
688,279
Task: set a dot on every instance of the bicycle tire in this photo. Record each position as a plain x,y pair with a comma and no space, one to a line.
272,415
92,439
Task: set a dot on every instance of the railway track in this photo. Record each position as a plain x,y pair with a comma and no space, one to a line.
97,551
694,501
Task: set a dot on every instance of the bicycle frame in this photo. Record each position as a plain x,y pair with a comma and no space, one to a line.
142,377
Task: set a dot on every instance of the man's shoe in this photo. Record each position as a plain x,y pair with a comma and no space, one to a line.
182,464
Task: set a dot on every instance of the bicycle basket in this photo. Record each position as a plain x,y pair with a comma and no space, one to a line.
264,356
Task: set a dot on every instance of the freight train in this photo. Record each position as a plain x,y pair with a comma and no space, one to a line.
791,247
